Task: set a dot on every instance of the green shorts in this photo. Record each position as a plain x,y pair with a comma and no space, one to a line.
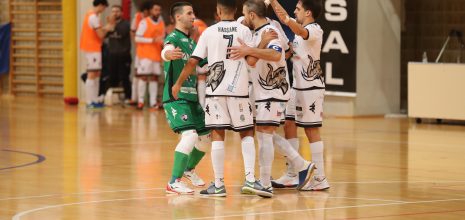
185,115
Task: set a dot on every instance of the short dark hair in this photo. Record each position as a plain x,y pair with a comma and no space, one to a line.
100,2
230,5
315,6
117,6
177,8
256,6
146,5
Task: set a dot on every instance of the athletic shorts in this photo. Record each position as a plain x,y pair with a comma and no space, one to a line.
233,113
185,115
270,113
147,67
94,61
309,108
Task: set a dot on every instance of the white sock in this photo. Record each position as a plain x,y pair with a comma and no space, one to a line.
96,88
294,158
295,145
248,154
89,88
153,92
317,149
266,156
201,89
134,89
217,155
141,87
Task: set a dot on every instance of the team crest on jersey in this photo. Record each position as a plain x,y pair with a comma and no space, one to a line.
313,71
275,79
215,75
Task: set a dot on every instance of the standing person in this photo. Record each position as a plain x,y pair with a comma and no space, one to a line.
309,82
143,12
149,36
227,102
92,36
184,115
271,90
119,49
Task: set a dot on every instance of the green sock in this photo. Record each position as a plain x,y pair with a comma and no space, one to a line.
194,158
180,163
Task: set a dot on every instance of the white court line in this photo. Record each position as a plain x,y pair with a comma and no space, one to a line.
148,189
21,214
327,208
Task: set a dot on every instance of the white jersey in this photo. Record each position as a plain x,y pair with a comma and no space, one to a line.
270,79
226,77
278,26
307,71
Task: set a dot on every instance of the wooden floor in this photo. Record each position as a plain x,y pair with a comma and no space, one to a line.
60,162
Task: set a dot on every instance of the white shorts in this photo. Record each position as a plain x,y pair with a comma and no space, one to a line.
252,101
148,67
94,61
309,108
290,108
136,62
270,113
231,113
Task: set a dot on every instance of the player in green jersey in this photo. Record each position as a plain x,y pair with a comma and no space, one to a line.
185,115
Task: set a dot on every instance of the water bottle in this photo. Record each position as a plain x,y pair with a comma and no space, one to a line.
425,58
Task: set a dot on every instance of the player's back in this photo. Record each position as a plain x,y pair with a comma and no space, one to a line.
227,77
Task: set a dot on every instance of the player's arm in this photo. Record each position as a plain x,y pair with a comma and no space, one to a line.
94,22
285,19
170,52
186,72
140,34
261,52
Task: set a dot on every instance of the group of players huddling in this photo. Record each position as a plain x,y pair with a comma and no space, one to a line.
247,90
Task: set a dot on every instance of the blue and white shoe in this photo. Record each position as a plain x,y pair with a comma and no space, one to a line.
305,175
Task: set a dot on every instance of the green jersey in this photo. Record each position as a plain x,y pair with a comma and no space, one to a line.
174,68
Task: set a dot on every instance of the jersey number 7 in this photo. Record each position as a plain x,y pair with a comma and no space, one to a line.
230,39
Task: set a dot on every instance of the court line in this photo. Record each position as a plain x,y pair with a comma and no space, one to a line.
40,159
21,214
327,208
162,188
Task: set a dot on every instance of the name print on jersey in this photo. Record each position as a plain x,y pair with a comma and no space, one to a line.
216,75
275,79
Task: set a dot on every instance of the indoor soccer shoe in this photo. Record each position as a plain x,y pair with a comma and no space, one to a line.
194,178
305,175
213,191
286,181
179,187
317,184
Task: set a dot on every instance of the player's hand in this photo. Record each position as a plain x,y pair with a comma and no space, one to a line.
238,52
175,91
174,54
268,36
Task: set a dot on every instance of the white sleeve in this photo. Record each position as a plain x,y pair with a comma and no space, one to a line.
133,25
314,32
167,47
248,39
275,45
201,50
140,33
94,22
285,40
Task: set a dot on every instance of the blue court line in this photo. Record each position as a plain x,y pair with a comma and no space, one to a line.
40,159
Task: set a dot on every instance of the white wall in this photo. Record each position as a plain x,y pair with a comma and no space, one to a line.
378,63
